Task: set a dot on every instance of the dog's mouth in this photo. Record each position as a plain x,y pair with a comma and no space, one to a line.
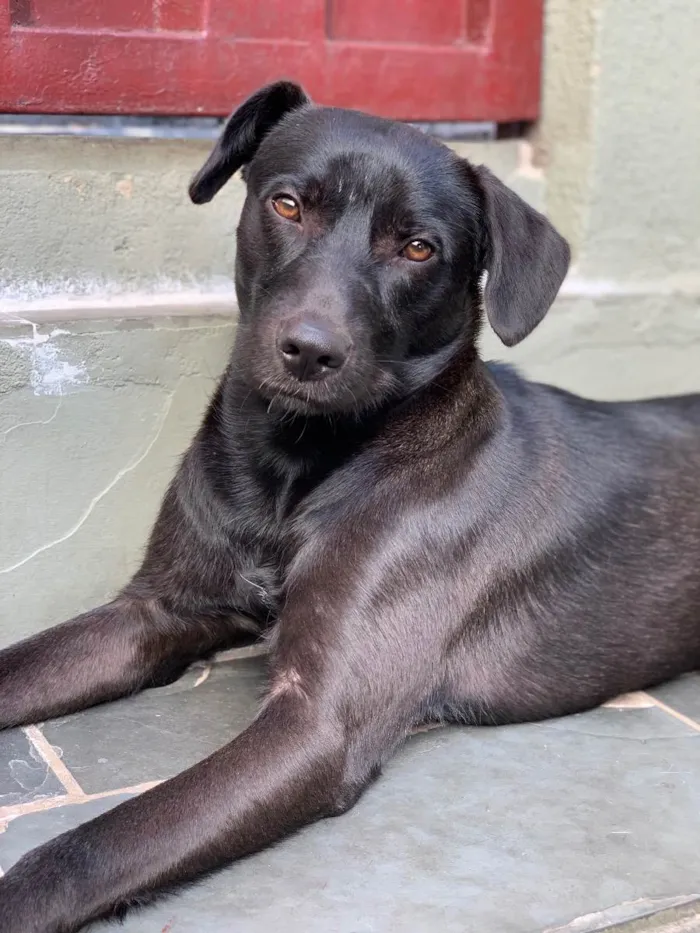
307,397
336,395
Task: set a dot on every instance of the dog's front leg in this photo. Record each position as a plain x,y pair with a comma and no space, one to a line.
185,603
284,771
315,745
103,654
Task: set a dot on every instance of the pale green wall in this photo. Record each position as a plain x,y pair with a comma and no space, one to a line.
621,132
89,216
82,471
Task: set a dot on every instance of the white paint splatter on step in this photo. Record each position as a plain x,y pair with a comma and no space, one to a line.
50,375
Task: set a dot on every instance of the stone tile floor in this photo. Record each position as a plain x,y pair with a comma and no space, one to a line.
579,824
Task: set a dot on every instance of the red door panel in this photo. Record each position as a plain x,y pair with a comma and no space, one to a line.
85,14
409,59
298,20
425,22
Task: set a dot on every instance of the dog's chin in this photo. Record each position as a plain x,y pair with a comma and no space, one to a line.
307,401
327,397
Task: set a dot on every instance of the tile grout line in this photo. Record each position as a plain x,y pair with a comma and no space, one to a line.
670,711
53,760
74,793
7,814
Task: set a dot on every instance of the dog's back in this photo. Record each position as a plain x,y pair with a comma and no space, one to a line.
594,520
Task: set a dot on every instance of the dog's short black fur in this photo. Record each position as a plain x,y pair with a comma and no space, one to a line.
420,535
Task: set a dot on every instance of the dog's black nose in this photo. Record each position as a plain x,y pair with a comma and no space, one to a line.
312,350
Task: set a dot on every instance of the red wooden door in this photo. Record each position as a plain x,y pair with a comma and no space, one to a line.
409,59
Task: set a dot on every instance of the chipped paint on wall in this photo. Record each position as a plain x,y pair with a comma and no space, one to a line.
50,375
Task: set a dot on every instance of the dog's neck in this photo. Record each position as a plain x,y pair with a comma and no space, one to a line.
262,461
290,443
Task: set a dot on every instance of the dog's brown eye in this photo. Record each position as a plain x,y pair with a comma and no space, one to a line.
286,207
417,251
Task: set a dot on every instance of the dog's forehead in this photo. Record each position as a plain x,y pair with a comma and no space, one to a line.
356,151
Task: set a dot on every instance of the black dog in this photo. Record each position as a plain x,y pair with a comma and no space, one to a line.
421,536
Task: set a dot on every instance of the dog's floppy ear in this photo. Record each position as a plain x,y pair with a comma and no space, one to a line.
525,258
244,131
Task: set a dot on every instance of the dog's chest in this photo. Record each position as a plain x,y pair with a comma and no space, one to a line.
259,589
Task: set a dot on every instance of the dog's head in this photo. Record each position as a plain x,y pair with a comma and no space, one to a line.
361,251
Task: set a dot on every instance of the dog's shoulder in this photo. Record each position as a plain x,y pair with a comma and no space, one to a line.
507,377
